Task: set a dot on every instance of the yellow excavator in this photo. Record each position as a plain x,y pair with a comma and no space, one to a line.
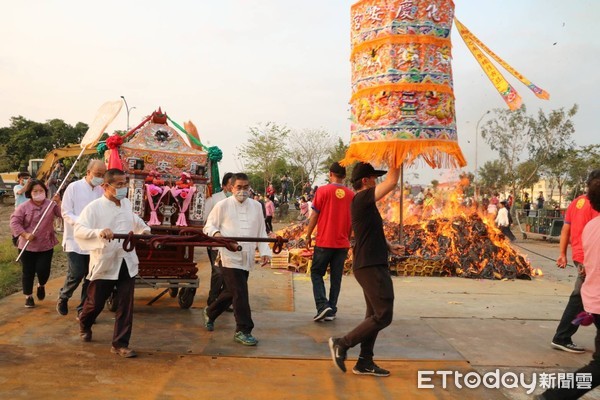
41,167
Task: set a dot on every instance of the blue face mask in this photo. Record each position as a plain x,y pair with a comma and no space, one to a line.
97,181
121,193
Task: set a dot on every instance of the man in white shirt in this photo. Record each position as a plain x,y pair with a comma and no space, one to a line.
110,265
237,216
503,221
78,195
216,279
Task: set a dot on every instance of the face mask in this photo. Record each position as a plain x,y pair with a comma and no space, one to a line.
242,195
97,181
227,194
38,197
121,193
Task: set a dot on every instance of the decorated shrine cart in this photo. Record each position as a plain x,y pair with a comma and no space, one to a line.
169,174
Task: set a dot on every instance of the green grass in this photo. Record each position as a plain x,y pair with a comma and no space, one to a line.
10,271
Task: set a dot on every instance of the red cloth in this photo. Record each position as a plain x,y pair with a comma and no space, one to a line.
579,213
332,202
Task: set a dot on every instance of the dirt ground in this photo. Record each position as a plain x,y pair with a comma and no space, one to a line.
59,261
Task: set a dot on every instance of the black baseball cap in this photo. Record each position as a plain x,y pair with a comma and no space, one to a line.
365,170
337,169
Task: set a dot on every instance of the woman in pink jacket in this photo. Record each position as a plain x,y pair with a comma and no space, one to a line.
37,257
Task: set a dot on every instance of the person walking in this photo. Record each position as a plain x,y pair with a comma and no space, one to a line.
216,278
590,293
110,265
503,220
78,195
36,259
371,269
270,212
578,214
237,216
331,217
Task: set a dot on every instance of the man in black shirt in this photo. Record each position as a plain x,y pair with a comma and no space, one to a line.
371,268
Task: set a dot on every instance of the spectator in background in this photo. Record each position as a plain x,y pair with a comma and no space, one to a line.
285,181
37,257
270,190
19,189
303,209
56,177
503,220
269,212
540,201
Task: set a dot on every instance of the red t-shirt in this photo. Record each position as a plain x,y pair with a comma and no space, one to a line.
332,202
579,213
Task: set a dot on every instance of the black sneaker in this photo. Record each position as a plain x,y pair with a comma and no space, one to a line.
569,347
371,369
322,314
41,292
61,306
338,354
29,303
208,323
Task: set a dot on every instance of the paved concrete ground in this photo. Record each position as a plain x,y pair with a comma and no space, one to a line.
440,324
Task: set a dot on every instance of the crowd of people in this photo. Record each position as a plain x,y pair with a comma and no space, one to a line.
96,207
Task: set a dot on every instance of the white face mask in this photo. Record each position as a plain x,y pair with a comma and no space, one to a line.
121,193
242,195
39,197
97,181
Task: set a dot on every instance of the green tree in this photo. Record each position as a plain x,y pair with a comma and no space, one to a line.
581,162
336,153
492,177
267,144
25,139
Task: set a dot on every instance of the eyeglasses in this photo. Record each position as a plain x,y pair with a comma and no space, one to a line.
238,187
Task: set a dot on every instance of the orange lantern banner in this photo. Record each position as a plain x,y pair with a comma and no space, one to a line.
402,101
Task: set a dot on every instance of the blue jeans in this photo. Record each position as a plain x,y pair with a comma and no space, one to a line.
78,270
334,258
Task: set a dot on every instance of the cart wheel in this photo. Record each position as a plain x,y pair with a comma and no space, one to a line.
111,302
173,292
186,297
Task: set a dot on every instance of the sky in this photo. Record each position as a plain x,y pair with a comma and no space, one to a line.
227,65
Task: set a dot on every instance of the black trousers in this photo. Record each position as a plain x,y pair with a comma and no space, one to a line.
216,277
98,292
236,293
592,368
378,289
269,223
566,329
35,263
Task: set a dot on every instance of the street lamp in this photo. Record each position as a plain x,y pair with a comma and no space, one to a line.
476,149
128,110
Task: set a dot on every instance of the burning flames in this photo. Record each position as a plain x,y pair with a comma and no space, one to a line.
444,237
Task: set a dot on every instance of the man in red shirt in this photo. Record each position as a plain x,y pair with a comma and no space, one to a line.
578,214
331,216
